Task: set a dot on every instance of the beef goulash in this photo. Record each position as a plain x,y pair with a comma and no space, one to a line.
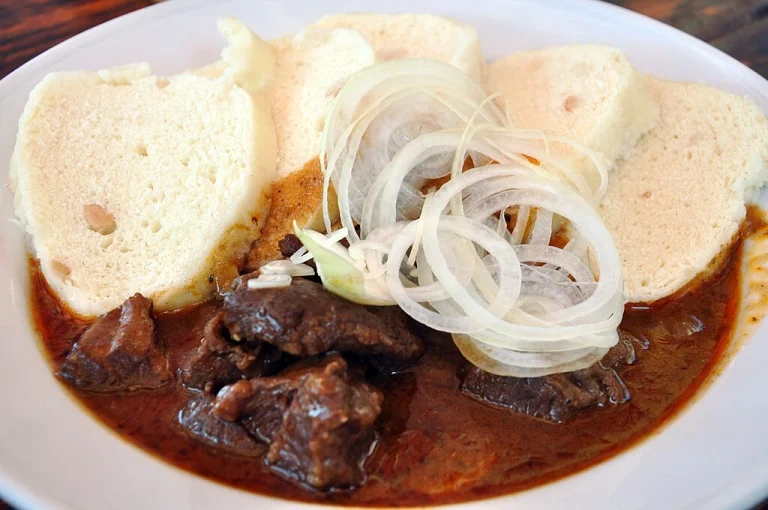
356,266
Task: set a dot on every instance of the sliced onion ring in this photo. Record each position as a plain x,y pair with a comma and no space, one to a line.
515,304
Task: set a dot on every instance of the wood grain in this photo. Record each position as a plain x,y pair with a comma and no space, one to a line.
738,27
29,27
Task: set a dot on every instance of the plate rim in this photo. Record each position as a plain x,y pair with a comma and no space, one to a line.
20,494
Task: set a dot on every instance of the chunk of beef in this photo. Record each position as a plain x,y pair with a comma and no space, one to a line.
119,352
327,431
318,421
263,401
531,396
219,360
555,397
289,245
592,385
304,319
624,353
198,420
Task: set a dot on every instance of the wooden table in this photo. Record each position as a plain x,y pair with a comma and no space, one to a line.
738,27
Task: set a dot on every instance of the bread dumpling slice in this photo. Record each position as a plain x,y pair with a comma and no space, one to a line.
679,198
587,92
128,182
311,68
395,36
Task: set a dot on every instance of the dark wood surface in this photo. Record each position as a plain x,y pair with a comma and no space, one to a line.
29,27
738,27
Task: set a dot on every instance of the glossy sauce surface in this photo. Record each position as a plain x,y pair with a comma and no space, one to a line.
436,445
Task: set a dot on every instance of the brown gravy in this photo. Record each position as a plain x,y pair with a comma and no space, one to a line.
435,444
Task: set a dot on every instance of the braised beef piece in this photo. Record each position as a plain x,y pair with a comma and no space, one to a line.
556,397
531,396
625,351
118,352
316,417
198,420
289,245
219,360
264,400
304,319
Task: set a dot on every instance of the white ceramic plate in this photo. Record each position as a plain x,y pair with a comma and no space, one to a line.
53,455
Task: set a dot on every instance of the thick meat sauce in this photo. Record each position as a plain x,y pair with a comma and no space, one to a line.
270,392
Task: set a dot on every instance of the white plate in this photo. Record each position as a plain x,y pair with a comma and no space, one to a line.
53,455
